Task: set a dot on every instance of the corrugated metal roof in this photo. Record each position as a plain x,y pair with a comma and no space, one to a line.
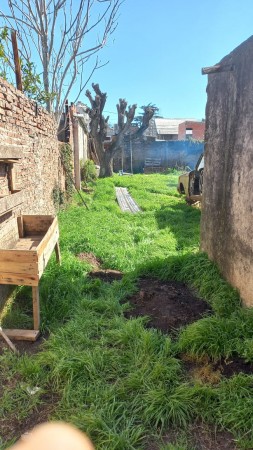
169,126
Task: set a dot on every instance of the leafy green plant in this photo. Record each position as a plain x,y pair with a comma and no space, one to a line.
88,171
67,162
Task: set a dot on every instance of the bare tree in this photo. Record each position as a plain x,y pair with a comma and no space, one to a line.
63,38
99,124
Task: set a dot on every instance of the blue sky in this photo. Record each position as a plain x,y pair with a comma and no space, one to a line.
160,46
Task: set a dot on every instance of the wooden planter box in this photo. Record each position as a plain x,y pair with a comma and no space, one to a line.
25,261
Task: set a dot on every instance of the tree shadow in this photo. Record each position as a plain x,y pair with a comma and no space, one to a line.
183,221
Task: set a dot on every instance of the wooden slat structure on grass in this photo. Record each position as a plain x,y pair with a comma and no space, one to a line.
125,201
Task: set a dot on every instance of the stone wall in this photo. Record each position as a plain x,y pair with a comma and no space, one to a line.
227,212
29,132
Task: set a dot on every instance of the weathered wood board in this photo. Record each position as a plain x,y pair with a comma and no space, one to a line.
24,263
10,201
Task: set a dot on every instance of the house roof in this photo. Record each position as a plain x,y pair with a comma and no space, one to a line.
169,126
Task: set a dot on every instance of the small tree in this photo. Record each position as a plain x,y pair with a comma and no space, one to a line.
58,39
99,125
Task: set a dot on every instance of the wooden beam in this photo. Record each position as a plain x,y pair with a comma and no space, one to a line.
12,177
58,252
20,226
22,335
36,307
8,160
16,60
217,68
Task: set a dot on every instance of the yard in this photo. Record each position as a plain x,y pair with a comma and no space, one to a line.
179,379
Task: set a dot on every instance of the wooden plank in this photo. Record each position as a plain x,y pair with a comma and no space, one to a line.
58,252
11,151
19,279
37,224
8,229
8,160
47,252
12,178
10,201
126,202
28,243
20,267
22,335
17,64
20,226
36,307
9,255
51,230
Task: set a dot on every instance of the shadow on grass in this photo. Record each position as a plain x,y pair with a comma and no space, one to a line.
181,216
183,221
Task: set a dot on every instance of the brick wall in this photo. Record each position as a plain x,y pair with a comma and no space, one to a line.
32,132
198,130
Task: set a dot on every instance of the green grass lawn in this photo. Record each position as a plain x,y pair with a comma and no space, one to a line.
118,381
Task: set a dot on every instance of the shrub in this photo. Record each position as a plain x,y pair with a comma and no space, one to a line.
88,170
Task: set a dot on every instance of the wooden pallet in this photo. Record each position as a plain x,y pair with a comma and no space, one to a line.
125,201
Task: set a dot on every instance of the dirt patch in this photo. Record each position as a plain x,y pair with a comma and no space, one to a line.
13,427
169,304
232,366
207,438
28,347
90,258
106,275
205,371
198,437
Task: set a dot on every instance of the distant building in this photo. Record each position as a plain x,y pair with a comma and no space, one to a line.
165,129
191,130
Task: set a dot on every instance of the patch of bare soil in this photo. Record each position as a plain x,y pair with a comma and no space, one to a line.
206,371
199,437
233,366
169,304
106,275
207,438
90,258
13,427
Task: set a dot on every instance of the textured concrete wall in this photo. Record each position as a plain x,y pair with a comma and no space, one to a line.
227,214
171,154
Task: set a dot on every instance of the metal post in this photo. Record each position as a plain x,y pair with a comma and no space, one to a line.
131,155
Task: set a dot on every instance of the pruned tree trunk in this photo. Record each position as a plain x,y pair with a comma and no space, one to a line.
106,151
106,165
